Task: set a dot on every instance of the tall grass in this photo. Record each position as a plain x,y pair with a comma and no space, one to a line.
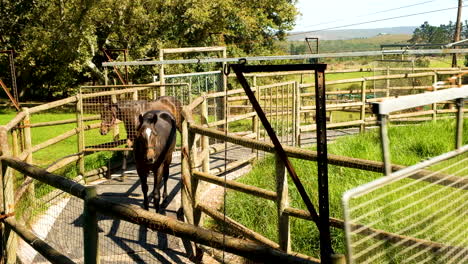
409,145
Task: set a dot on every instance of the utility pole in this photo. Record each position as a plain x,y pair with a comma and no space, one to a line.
457,31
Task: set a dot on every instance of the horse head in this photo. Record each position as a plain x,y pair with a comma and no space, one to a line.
108,117
155,135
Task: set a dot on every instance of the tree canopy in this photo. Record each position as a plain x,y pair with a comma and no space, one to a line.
437,34
59,44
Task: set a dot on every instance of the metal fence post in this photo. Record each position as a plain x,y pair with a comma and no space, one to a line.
382,120
282,202
326,249
459,135
90,229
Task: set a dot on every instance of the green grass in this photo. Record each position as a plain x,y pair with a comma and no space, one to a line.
409,145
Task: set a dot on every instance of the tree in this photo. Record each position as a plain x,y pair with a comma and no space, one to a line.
59,43
432,34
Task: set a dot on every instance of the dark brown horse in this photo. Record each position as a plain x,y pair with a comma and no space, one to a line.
155,141
128,112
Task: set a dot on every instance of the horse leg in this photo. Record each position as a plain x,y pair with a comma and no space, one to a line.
143,174
165,178
156,192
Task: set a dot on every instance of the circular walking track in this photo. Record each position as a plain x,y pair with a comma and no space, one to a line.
123,242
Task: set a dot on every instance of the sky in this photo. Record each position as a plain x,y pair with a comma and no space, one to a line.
342,14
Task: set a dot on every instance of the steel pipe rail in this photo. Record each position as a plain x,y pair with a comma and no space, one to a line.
288,57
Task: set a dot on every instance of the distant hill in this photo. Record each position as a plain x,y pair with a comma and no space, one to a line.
342,34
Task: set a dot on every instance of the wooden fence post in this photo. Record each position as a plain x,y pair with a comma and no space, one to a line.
15,142
363,106
28,148
297,106
162,88
193,180
8,238
27,135
186,181
80,135
282,202
204,139
90,229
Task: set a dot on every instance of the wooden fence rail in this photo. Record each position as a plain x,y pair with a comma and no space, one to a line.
192,138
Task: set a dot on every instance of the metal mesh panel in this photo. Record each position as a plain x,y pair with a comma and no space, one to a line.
118,113
278,103
197,84
55,217
415,217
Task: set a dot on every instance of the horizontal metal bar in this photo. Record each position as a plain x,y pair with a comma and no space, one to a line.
410,101
181,75
193,49
280,67
288,57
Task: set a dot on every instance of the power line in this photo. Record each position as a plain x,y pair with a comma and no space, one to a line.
369,14
377,20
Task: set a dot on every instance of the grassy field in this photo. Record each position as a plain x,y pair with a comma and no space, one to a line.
420,142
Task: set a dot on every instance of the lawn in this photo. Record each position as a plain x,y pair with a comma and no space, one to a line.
420,142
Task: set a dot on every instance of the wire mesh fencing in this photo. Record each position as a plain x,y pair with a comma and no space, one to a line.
414,217
51,213
197,84
118,110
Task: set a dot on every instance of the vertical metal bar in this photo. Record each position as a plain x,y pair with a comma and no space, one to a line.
282,116
277,112
298,114
459,135
322,167
14,85
90,229
382,120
